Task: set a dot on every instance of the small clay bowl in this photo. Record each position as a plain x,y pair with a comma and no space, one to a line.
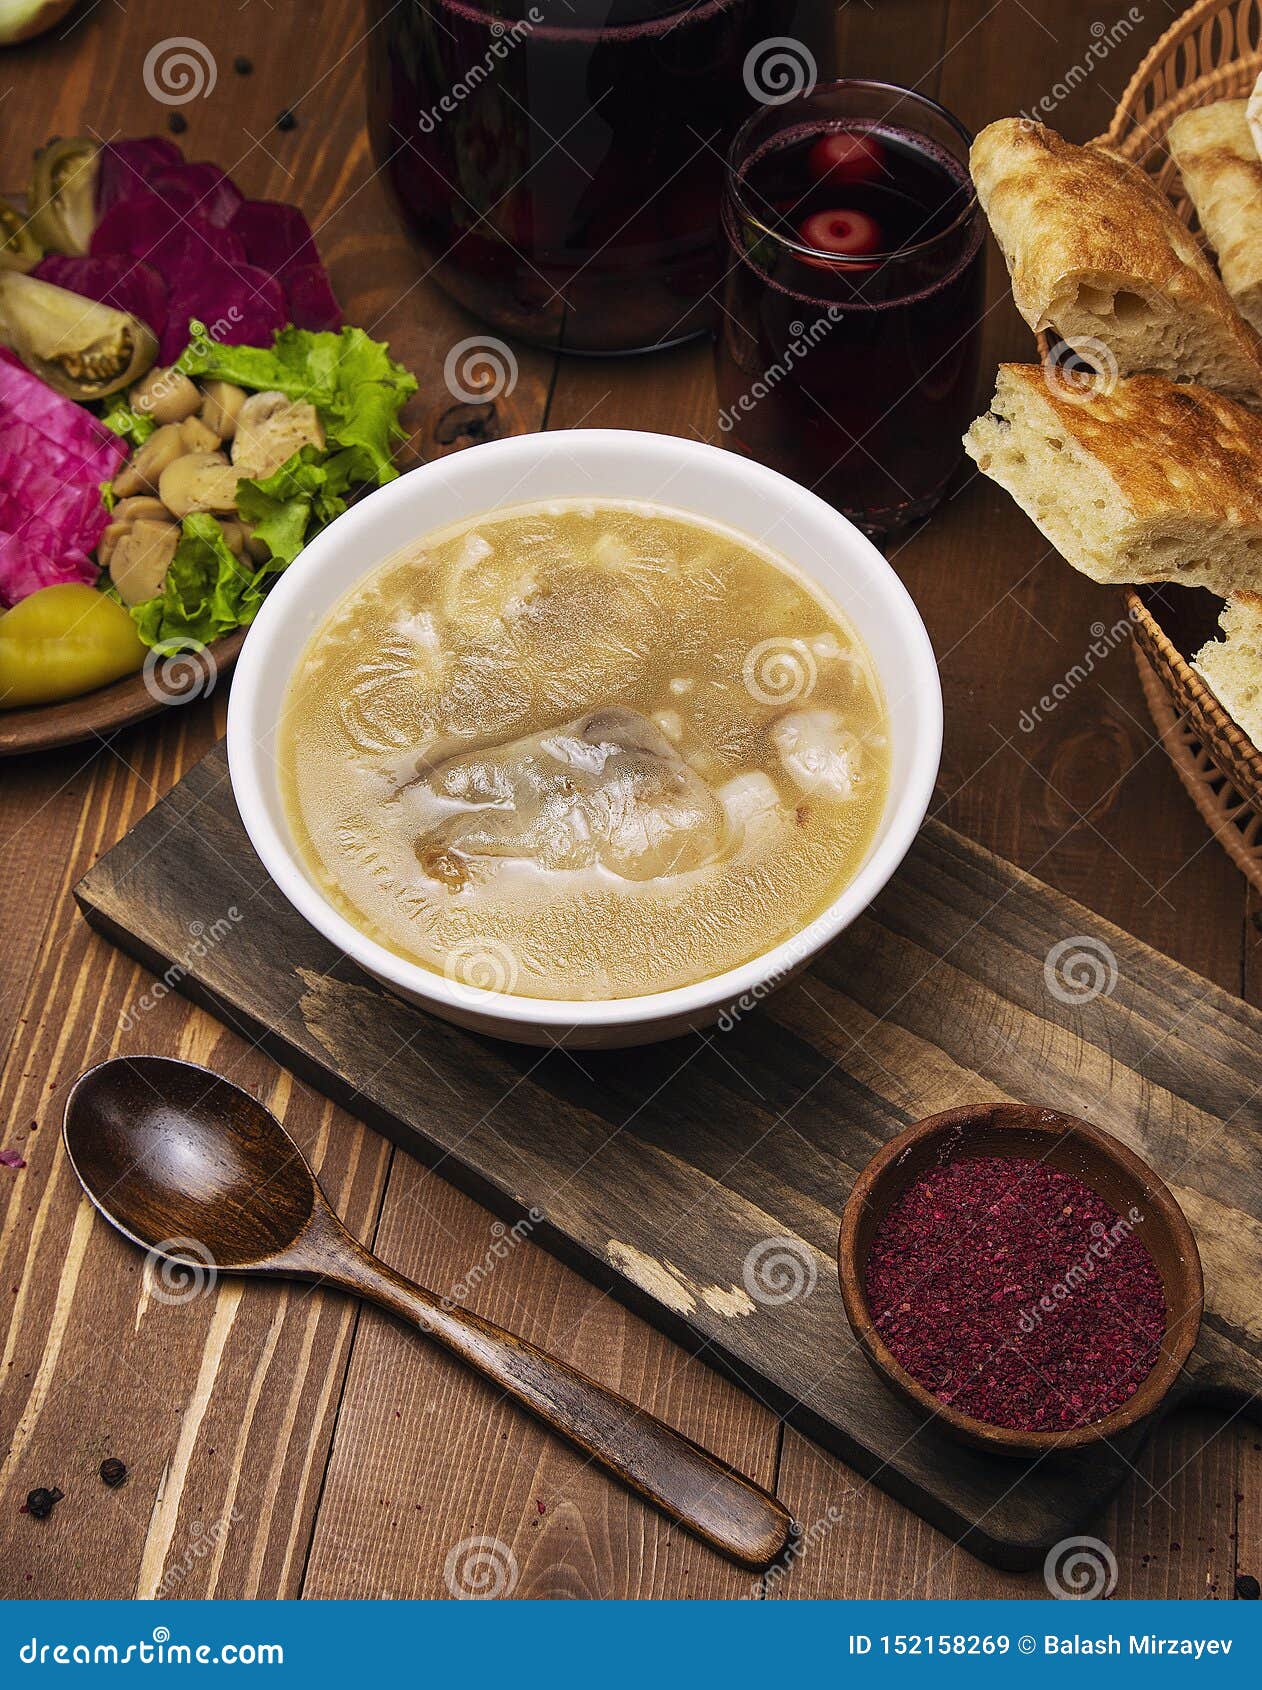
1073,1147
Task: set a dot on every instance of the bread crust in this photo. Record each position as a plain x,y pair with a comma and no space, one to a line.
1132,481
1079,226
1213,148
1171,449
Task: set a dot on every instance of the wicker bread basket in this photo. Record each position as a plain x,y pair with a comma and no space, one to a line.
1213,52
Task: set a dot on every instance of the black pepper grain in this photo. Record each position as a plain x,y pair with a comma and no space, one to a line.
40,1502
242,65
286,120
177,123
113,1471
1247,1587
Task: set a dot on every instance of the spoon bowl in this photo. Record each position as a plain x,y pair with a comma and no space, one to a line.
169,1152
192,1168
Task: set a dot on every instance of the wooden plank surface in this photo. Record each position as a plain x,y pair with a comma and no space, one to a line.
1086,800
670,1172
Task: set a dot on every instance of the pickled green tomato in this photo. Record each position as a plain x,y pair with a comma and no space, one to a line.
62,641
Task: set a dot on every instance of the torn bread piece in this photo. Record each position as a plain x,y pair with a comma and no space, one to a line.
1132,481
1097,254
1253,114
1233,666
1218,161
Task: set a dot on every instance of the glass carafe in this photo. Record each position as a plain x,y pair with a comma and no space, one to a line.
561,161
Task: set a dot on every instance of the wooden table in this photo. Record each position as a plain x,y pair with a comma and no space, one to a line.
281,1442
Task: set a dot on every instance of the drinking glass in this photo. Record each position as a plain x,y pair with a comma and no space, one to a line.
848,344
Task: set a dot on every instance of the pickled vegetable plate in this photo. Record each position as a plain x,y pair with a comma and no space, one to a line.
213,463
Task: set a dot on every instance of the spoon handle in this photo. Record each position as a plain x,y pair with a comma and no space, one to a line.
716,1503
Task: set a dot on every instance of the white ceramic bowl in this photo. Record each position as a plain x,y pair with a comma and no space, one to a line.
594,464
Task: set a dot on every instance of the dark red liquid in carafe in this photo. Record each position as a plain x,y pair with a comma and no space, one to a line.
848,350
561,162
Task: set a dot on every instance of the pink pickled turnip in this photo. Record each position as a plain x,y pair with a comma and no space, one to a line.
199,189
127,165
310,297
115,279
277,237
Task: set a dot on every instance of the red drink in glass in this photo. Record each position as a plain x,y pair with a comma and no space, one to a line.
847,353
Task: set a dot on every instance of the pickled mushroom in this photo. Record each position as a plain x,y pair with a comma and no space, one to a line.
199,481
137,548
83,350
141,557
166,395
140,508
145,470
221,406
270,429
197,437
125,513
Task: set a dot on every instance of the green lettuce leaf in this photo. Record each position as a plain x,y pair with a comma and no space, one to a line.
352,381
134,426
280,507
207,592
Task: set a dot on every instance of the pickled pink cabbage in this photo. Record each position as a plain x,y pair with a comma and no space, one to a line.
54,456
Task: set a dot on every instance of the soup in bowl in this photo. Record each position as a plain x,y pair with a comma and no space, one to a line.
586,735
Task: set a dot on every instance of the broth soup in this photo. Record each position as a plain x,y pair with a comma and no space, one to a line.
583,751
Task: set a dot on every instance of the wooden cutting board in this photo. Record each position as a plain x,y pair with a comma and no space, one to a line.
702,1181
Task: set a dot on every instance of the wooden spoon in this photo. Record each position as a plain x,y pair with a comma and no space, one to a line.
195,1170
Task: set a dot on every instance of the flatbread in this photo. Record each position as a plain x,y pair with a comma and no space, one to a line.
1222,172
1097,254
1233,666
1132,481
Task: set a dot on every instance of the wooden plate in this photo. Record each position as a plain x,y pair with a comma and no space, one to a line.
178,679
45,727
